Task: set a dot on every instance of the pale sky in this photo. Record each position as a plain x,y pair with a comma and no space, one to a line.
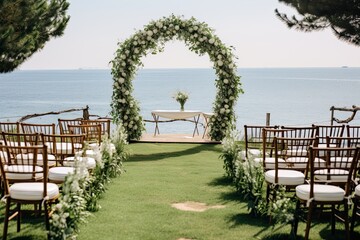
261,40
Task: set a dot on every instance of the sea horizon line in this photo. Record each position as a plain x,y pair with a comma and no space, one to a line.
180,68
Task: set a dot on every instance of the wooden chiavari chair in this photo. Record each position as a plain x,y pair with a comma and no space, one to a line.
33,188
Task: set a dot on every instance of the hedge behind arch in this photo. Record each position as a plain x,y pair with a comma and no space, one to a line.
200,39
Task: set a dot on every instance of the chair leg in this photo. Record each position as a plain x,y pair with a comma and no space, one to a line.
267,194
6,219
332,219
296,220
46,211
354,215
346,219
308,223
39,212
18,206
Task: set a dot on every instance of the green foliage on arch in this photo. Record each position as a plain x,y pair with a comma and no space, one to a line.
201,40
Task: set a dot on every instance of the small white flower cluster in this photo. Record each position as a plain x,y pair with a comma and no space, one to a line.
229,143
119,138
181,96
200,39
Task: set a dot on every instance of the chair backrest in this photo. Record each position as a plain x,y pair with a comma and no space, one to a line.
337,167
63,124
11,127
295,151
253,137
269,136
20,139
92,132
105,124
300,132
324,131
343,142
38,128
63,145
23,164
352,131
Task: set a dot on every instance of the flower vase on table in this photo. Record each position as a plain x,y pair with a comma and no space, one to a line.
182,106
181,98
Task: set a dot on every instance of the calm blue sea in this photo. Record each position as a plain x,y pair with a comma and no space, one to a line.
293,96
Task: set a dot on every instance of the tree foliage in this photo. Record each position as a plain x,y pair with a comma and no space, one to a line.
25,27
341,16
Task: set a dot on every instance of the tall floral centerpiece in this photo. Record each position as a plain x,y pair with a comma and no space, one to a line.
181,97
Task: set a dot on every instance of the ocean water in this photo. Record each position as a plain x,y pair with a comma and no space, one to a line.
292,96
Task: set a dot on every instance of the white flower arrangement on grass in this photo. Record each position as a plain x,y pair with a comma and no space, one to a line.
201,40
181,97
81,190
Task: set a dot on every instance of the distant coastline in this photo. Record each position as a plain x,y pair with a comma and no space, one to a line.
180,68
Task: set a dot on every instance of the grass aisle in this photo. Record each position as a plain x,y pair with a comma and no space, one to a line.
137,205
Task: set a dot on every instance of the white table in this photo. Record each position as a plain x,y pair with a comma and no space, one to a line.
176,115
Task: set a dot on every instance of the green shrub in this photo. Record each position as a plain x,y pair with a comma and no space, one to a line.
249,181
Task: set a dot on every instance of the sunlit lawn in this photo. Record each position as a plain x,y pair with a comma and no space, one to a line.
137,205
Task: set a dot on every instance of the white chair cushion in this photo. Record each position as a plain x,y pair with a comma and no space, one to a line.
285,177
90,162
78,146
324,145
39,161
33,191
59,173
23,170
338,175
64,147
88,153
297,162
322,192
270,162
341,162
357,190
296,152
301,162
254,152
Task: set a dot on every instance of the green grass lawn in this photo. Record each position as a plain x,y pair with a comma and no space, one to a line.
137,205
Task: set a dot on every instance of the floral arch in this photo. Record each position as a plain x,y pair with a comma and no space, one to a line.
200,39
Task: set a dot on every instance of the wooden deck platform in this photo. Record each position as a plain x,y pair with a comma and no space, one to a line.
174,138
